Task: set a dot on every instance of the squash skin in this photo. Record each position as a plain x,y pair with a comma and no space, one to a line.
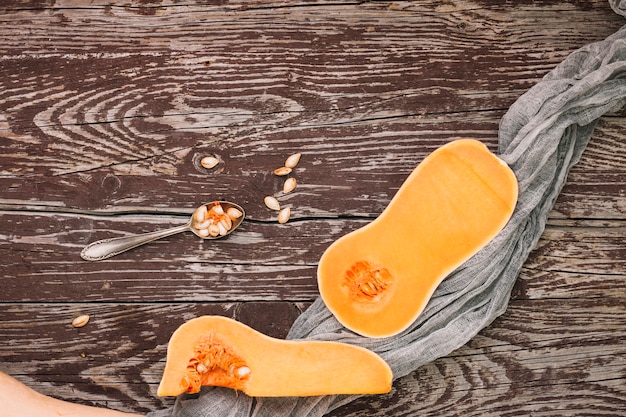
454,202
277,368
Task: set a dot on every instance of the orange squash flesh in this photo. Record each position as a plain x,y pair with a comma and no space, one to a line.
378,279
214,350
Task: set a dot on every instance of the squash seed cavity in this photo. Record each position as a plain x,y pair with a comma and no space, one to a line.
215,363
367,282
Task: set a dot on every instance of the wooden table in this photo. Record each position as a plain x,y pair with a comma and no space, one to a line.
106,109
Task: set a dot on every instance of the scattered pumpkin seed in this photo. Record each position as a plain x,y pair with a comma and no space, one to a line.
80,321
283,215
209,162
272,203
282,171
289,185
293,160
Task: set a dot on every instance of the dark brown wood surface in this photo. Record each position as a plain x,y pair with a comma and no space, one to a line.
106,109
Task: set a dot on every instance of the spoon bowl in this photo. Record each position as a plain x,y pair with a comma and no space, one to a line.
209,221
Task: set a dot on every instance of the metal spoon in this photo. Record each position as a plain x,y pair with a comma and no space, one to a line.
209,221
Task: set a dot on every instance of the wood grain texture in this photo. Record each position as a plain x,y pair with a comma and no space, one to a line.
106,109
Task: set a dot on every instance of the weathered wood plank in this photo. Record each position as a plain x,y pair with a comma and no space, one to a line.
526,362
156,90
354,182
260,261
117,359
106,109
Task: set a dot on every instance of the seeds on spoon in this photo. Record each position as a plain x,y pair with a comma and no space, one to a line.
214,221
271,203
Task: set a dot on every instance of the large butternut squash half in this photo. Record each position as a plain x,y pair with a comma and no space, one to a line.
378,279
219,351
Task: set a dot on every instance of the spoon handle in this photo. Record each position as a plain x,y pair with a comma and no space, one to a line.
103,249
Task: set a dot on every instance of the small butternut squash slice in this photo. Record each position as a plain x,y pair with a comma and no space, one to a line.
377,280
218,351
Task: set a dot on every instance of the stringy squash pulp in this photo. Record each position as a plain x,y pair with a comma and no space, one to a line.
378,279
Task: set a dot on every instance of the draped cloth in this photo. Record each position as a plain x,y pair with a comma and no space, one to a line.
541,137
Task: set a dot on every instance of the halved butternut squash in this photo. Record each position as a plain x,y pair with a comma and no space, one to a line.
377,280
218,351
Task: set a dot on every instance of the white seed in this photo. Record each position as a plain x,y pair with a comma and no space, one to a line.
289,185
203,232
214,230
80,321
243,371
293,160
201,368
200,213
283,215
209,162
226,222
204,224
217,209
271,203
282,171
222,230
234,213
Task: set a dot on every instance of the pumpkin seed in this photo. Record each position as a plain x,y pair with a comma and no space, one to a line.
222,229
292,160
80,321
272,203
226,222
243,371
282,171
209,162
217,208
214,230
234,213
283,215
204,224
289,185
200,213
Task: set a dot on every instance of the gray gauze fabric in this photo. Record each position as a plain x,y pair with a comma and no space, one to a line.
541,136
